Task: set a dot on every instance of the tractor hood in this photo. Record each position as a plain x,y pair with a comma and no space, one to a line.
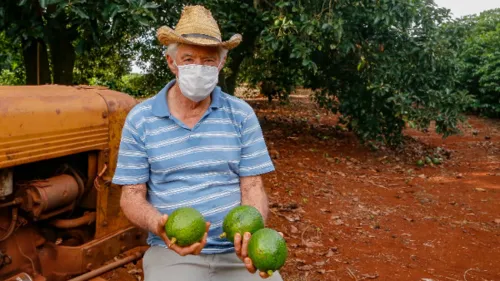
43,122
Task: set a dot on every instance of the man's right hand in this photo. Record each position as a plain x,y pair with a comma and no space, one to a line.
194,249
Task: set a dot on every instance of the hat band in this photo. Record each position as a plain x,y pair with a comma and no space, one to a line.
198,35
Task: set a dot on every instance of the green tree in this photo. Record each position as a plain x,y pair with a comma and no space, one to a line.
480,59
53,32
380,64
11,69
108,63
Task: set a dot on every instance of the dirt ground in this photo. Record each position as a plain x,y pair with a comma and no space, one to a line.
351,213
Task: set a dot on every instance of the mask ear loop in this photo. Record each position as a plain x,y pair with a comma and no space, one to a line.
178,70
218,67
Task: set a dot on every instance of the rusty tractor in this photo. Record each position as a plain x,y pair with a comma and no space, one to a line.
60,217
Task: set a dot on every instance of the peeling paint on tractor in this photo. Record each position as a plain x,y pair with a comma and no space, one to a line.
47,128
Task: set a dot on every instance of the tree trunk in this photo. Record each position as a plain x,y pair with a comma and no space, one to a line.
236,61
237,58
222,81
36,62
63,57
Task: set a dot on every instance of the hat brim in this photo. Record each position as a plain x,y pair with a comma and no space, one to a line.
167,36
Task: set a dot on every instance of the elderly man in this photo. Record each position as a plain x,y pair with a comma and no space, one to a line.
193,145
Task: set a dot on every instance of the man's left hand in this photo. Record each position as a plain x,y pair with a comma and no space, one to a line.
241,248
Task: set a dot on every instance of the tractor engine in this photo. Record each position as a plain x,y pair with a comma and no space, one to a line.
60,215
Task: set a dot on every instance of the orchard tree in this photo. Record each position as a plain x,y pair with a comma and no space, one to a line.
11,62
480,59
53,32
380,64
108,63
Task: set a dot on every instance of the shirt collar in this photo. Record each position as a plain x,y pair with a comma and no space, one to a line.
160,105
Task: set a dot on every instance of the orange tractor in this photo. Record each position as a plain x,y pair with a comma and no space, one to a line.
60,216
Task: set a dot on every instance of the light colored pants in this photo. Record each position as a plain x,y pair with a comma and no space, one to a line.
162,264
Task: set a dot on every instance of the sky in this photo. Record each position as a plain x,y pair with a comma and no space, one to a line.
467,7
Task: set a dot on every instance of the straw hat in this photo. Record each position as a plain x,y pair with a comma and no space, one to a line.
196,27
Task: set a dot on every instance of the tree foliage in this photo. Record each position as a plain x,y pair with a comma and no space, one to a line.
11,68
108,63
380,64
53,32
480,59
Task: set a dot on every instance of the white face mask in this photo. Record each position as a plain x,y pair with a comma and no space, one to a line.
197,81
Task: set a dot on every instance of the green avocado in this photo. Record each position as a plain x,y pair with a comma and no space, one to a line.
241,219
185,226
267,249
428,160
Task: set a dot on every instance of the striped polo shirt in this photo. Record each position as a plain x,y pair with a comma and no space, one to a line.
199,167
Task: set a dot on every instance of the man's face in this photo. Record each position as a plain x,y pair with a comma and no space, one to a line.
192,54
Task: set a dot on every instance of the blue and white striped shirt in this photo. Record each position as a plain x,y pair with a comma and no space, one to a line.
199,167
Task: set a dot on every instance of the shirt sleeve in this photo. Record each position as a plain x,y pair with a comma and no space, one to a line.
255,159
133,164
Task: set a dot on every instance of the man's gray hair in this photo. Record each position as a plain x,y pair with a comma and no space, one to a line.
172,51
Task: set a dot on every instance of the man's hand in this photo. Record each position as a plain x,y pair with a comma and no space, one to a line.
194,249
241,248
